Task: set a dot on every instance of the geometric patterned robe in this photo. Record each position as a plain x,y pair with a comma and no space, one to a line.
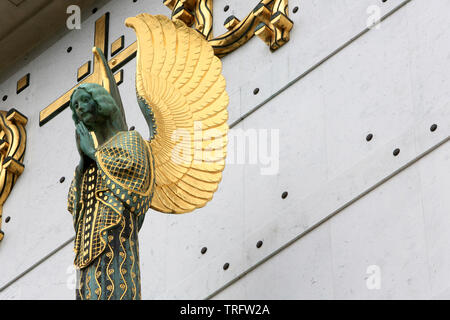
116,192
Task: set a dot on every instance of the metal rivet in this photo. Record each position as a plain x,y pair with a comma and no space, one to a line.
433,128
204,249
295,10
259,244
94,10
69,49
256,91
226,266
226,8
369,137
284,195
5,97
7,219
132,128
62,179
396,152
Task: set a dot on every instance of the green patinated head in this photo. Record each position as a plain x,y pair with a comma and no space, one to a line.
92,104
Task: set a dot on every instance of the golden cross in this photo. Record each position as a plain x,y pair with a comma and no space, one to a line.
117,62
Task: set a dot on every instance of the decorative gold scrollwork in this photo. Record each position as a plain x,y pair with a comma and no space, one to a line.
13,138
269,21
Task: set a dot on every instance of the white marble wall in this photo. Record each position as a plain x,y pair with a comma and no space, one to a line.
391,82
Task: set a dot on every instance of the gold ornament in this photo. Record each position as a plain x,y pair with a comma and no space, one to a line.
13,139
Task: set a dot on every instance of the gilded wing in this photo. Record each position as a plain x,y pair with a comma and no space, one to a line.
181,92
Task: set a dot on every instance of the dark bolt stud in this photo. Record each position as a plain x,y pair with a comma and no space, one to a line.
226,266
259,244
396,152
62,179
204,249
433,128
7,219
284,195
369,137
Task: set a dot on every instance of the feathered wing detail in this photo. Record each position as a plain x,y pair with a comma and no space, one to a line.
181,92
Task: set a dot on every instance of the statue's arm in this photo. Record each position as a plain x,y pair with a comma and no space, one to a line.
78,179
73,204
75,188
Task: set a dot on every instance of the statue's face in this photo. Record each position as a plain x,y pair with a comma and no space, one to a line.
84,107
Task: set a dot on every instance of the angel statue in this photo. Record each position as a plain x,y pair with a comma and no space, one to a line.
180,88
